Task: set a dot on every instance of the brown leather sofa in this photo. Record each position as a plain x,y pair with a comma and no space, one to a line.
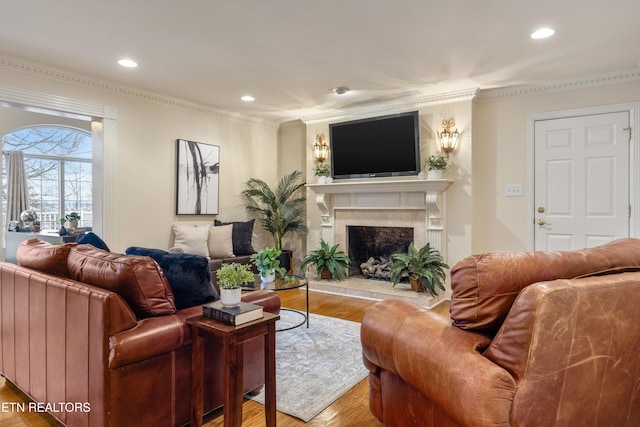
535,339
96,336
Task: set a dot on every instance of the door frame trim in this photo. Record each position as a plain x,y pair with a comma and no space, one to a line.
633,108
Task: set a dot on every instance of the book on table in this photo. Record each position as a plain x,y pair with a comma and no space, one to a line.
237,315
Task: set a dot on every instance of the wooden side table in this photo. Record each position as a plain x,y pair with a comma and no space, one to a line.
232,337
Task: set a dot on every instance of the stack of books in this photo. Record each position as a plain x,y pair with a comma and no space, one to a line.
237,315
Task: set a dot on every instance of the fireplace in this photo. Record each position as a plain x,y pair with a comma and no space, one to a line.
375,244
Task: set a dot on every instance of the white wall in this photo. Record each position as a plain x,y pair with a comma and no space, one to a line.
143,172
500,157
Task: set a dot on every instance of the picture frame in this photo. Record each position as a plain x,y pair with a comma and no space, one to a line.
197,178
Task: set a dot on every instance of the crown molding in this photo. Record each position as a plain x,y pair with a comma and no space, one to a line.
382,108
39,70
623,76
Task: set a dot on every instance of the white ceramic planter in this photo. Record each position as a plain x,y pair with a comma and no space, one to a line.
269,277
230,297
435,174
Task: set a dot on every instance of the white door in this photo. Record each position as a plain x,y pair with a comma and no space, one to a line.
581,181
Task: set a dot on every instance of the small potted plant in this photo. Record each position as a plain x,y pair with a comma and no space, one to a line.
424,268
231,277
267,261
436,165
328,260
73,218
323,172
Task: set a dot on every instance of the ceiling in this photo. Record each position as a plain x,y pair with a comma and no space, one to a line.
290,54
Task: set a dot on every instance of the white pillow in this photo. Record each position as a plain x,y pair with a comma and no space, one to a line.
192,238
220,241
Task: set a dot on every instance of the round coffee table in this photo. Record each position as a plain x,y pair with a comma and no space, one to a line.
283,285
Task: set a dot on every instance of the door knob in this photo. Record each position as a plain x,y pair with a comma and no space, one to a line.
543,222
541,209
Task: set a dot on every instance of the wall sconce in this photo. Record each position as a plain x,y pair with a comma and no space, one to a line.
448,139
320,149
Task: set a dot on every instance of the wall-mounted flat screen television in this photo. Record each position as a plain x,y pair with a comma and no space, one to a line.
376,147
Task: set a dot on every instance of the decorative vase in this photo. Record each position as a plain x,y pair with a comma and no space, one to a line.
435,174
230,297
422,175
329,180
322,180
73,224
325,273
269,276
62,231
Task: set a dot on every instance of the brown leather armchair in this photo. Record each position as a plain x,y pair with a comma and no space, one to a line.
523,349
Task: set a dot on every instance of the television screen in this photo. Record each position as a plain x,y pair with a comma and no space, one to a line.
376,147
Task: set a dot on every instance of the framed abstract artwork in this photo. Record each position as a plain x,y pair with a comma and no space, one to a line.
197,178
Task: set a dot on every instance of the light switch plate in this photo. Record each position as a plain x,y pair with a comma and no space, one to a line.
513,190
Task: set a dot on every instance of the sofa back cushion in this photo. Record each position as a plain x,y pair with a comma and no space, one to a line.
43,256
188,275
484,286
138,280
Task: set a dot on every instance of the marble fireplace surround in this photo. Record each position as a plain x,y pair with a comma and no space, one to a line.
414,203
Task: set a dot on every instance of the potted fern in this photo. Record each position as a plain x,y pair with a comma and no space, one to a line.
328,260
231,277
425,269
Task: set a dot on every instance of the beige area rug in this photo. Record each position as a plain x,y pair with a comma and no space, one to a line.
315,365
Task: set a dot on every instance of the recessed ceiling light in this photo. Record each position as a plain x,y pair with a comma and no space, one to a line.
248,98
129,63
341,90
542,33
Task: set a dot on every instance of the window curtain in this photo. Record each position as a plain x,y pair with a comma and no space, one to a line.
17,192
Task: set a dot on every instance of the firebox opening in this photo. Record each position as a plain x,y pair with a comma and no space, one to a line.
374,247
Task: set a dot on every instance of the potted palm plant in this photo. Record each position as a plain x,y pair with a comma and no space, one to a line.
328,260
424,268
231,277
267,261
279,210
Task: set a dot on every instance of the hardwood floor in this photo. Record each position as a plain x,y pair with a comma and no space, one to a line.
352,409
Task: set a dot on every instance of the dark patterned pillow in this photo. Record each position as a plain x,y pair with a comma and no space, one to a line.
241,234
188,275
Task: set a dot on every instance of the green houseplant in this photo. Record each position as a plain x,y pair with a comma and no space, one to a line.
437,165
230,278
425,268
280,210
267,262
328,260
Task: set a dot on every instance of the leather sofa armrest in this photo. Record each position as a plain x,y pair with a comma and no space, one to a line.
151,337
438,359
268,299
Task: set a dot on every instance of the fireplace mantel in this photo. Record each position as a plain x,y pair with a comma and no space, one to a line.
403,194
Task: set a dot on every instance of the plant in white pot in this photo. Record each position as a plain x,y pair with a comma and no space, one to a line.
231,277
323,172
267,261
436,165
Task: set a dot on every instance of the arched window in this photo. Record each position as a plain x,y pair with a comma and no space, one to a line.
57,162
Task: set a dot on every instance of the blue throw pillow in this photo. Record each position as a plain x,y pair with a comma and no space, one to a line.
188,275
91,238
